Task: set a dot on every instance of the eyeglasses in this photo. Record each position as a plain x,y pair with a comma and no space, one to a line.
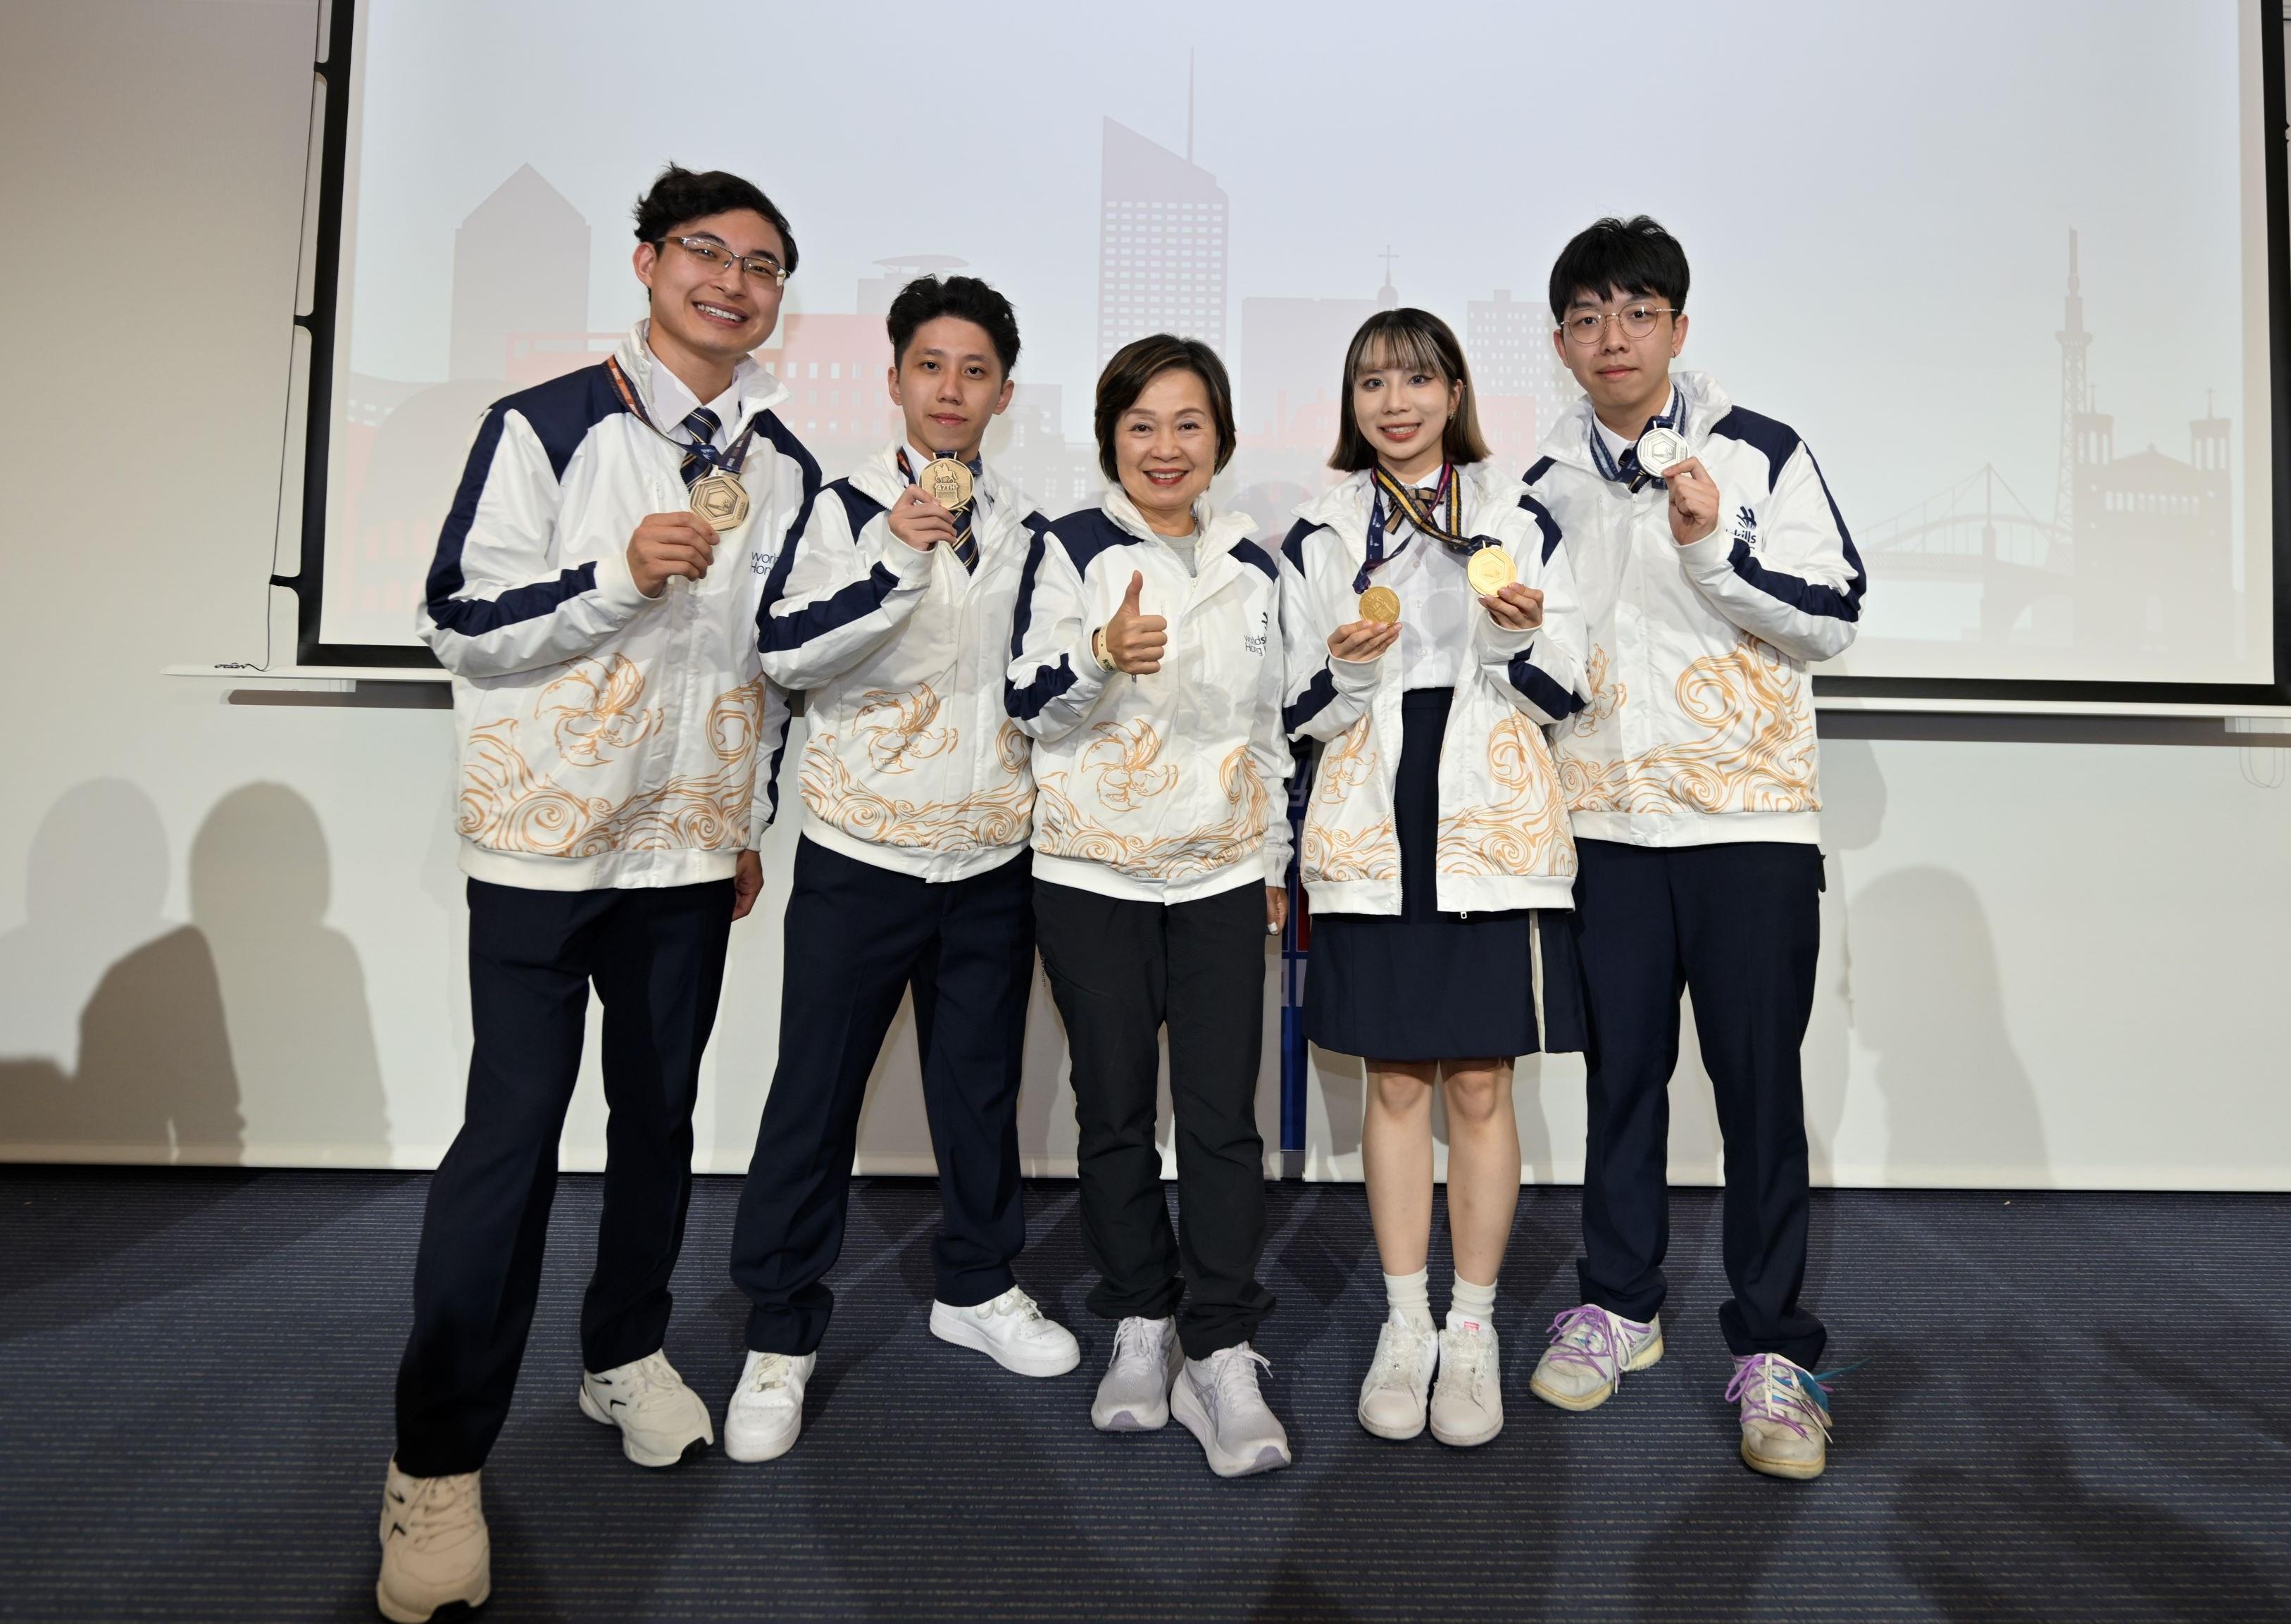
1588,327
715,255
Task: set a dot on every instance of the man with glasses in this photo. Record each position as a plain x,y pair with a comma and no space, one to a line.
1714,568
595,594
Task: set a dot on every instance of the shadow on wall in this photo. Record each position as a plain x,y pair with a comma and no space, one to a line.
262,880
1926,999
146,1071
1852,818
184,1033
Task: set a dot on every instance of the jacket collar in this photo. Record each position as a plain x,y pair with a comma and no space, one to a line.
1218,531
1345,506
756,389
1705,402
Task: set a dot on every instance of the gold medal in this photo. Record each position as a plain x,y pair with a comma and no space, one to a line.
721,500
947,480
1490,571
1381,604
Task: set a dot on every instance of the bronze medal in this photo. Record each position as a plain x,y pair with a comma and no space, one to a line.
1490,571
1381,604
947,481
721,500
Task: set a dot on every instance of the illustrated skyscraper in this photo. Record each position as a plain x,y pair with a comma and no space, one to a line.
1161,245
520,265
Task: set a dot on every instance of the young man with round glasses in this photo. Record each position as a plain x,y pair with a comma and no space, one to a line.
595,593
1713,568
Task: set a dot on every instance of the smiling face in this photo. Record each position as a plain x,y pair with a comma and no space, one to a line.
1403,407
706,318
1165,447
1628,378
949,386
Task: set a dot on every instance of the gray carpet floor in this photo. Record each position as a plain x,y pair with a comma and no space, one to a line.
2074,1407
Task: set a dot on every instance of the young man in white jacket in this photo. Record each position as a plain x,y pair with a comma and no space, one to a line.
594,593
1714,568
892,613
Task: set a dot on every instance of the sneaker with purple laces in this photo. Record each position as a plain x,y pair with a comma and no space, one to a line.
1591,1350
1785,1416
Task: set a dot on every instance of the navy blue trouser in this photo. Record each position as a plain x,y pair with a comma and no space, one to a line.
1738,926
657,959
857,937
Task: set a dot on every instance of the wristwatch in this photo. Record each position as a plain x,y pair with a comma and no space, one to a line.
1097,647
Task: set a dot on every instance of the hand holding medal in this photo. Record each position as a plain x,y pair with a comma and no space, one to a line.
1693,502
667,545
921,520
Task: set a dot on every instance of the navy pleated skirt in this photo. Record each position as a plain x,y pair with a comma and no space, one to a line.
1428,985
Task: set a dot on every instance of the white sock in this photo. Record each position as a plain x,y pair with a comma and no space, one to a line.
1472,1305
1410,1299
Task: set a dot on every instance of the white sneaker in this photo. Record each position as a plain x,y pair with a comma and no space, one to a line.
766,1413
1399,1380
659,1416
1133,1395
1467,1405
1785,1417
1217,1400
1591,1350
1012,1332
435,1550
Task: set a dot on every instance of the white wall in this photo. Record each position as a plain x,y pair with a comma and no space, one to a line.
233,933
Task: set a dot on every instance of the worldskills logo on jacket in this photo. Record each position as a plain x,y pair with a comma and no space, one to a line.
1255,644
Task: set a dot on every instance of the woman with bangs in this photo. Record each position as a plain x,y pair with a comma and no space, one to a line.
1435,634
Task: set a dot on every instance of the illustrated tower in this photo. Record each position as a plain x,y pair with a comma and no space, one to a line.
2076,398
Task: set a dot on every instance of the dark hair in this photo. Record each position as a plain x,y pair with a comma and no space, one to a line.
677,197
1623,256
1137,364
965,298
1418,340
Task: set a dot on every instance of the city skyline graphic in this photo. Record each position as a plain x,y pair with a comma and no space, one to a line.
2005,571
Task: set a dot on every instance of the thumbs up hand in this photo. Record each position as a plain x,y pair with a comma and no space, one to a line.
1133,639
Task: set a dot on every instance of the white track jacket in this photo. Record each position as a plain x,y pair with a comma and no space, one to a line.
1169,787
912,763
607,739
1503,840
1699,728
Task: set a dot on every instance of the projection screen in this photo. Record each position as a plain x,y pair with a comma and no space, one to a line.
2014,272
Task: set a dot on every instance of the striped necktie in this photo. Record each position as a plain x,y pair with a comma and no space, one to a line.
701,455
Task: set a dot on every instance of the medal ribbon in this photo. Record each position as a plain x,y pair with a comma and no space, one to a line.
701,456
1442,518
966,545
1628,471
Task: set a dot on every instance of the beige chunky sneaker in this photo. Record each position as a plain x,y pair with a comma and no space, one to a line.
1785,1416
1591,1350
435,1549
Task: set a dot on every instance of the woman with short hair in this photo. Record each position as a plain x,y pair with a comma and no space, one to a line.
1147,665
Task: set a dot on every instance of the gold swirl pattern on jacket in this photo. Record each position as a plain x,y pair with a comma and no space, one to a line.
990,817
507,806
1524,834
596,707
1126,755
1332,855
894,745
1756,753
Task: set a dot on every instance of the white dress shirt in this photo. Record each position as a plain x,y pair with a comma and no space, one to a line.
1437,604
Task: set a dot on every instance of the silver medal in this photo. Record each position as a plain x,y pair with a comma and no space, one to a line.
1660,450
